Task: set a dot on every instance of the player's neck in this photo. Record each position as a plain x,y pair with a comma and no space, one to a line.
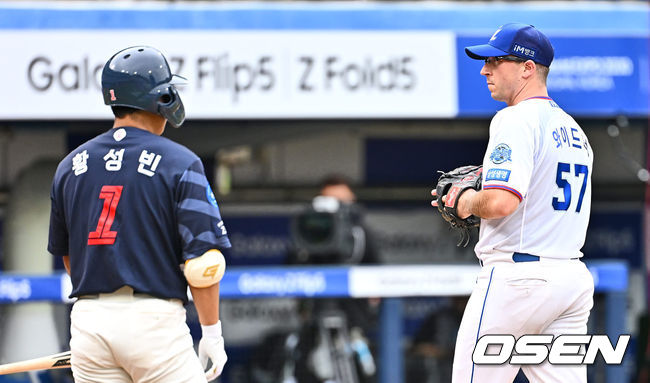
142,120
530,90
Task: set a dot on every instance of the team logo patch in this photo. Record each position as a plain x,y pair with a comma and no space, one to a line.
119,134
523,50
494,36
497,175
501,154
210,195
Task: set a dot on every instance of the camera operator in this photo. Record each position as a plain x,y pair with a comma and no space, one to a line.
332,231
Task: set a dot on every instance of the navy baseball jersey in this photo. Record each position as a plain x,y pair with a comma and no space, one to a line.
129,207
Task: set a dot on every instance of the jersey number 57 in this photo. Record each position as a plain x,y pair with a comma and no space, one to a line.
562,183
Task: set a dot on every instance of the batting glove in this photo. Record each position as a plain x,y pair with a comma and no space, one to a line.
211,347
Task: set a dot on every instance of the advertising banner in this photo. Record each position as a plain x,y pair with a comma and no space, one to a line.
330,60
590,76
240,74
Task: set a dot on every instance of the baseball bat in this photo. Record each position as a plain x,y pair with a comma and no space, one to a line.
61,360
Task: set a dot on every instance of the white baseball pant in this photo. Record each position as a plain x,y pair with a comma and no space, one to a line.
122,338
542,297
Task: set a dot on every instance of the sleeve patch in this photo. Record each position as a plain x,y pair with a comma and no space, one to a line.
497,175
501,154
210,196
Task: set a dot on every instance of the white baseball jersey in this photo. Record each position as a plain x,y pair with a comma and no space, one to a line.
539,153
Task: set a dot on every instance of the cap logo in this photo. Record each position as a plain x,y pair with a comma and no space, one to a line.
112,92
494,36
523,50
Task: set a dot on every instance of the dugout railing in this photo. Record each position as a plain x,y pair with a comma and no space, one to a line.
391,282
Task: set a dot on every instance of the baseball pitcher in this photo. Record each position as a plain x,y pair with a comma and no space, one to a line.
533,205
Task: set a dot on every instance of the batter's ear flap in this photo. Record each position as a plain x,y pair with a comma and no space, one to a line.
171,107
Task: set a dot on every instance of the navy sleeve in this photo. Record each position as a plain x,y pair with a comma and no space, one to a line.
199,221
58,237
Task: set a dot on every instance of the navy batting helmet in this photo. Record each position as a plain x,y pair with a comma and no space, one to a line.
140,78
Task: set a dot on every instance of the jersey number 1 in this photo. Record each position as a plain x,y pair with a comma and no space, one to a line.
103,235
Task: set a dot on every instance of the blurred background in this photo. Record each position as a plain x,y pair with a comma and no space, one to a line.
360,102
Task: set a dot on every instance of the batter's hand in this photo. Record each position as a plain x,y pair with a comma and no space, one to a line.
211,347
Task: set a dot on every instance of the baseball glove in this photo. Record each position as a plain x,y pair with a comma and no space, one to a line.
453,184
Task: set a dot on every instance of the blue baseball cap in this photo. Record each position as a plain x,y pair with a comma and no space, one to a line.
516,39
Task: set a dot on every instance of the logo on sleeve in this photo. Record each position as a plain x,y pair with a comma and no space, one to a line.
210,195
501,154
498,175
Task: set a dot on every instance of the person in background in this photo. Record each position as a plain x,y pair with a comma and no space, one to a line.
338,187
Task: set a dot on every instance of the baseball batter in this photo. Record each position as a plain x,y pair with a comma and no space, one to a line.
534,209
128,208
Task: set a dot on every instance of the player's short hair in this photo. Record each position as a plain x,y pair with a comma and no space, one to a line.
334,180
122,111
543,72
